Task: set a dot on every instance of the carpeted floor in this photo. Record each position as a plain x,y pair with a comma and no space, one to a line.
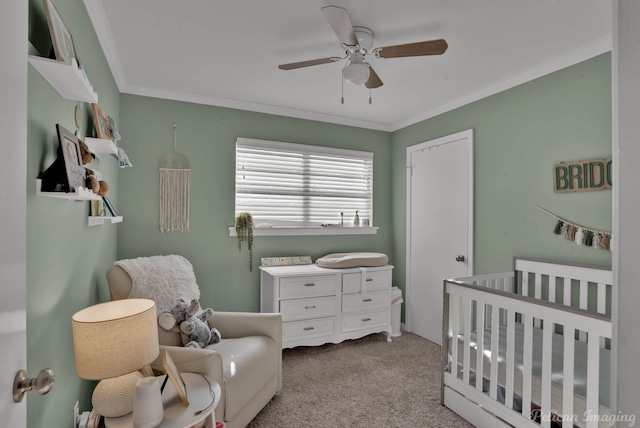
361,383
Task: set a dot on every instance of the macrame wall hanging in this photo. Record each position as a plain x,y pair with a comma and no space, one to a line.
175,190
599,239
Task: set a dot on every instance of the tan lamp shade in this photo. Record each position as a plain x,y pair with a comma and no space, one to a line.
115,338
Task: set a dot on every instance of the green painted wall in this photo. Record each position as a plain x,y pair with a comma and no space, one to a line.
206,136
66,259
519,135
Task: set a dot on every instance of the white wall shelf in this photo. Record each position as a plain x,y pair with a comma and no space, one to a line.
99,146
66,78
81,194
98,220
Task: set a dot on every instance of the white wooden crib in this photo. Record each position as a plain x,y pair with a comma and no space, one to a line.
529,348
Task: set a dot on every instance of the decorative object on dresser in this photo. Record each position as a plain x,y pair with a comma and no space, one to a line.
111,342
321,305
286,261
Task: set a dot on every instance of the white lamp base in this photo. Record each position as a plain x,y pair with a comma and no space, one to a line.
113,397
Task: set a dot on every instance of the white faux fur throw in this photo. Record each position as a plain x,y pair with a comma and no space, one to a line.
163,279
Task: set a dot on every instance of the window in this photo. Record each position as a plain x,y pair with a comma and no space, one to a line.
297,185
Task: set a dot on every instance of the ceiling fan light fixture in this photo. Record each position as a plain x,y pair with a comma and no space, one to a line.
356,73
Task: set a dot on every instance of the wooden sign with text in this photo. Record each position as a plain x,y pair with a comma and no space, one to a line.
582,176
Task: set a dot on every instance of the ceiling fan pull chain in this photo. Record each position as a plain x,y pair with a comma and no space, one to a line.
342,88
369,96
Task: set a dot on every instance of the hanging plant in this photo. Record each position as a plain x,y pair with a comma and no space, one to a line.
244,230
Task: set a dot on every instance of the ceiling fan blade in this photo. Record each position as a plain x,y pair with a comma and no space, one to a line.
432,47
374,81
301,64
339,20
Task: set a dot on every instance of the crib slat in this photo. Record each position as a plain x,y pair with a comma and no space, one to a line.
593,379
584,294
525,283
552,288
466,321
602,305
567,376
602,298
566,300
453,326
545,405
511,333
527,364
538,286
479,345
495,334
584,302
538,293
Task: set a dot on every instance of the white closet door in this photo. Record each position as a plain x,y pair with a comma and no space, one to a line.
439,226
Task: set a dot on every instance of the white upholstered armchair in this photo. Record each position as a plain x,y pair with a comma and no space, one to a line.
247,363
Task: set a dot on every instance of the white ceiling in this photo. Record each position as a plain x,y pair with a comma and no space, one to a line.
226,53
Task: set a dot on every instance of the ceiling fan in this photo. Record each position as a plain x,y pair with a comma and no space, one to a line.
358,43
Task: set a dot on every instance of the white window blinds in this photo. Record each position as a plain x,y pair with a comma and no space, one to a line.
285,184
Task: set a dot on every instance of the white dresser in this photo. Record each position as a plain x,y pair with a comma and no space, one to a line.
320,305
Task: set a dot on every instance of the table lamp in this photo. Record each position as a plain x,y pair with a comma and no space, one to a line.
111,342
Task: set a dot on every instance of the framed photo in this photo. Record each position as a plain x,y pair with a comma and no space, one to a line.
60,36
70,147
109,206
101,121
172,371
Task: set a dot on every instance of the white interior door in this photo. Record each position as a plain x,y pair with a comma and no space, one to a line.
13,253
439,226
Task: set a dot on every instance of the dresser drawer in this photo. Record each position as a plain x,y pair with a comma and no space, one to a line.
378,318
307,286
374,280
300,309
369,300
308,329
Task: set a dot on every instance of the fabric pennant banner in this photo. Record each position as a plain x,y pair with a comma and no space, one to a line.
581,235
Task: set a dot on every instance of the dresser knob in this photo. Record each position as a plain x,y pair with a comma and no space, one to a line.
366,300
308,328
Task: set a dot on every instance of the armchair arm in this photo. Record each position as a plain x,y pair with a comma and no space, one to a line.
240,324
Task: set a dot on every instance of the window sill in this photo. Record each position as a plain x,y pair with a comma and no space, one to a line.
305,231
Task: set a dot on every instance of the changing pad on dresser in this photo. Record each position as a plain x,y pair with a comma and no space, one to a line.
350,260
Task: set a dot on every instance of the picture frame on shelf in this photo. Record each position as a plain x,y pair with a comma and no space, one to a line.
172,371
63,46
70,147
101,121
109,206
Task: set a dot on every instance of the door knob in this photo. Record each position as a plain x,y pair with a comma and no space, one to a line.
40,384
460,258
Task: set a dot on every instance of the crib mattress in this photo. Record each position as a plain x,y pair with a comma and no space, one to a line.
580,360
